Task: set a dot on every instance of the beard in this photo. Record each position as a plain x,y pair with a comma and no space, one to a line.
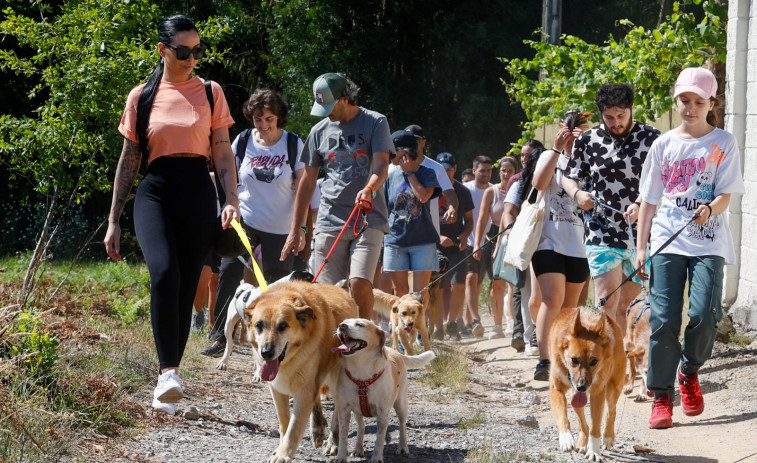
622,136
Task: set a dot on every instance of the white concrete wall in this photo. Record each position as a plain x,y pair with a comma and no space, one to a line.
741,119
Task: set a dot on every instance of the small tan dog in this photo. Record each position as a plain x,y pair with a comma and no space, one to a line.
292,329
372,381
636,344
586,354
408,316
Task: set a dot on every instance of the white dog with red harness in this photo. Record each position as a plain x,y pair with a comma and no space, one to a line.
372,381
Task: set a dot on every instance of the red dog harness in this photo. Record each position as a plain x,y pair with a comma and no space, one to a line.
362,391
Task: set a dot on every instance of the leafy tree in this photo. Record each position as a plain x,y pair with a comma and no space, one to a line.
88,56
567,76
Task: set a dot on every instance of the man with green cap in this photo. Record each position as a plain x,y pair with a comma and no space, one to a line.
353,146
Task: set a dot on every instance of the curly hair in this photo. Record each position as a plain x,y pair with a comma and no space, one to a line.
267,99
614,95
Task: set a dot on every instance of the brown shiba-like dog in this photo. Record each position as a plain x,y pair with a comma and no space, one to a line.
586,354
636,344
292,329
408,315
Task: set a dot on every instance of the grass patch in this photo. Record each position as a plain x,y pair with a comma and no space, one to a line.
476,421
73,363
486,455
448,370
739,339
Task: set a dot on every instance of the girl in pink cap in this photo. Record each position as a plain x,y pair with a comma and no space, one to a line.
691,171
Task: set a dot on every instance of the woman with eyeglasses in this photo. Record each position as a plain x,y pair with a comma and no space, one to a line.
169,121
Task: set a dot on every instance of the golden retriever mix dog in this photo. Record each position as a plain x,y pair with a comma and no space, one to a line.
292,329
636,344
408,316
586,353
372,381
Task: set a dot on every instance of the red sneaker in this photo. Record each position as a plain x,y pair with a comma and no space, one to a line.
692,401
662,413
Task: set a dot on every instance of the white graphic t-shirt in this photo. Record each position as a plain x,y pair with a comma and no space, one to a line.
687,173
266,193
443,179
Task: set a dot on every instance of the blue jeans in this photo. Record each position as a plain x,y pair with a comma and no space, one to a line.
668,276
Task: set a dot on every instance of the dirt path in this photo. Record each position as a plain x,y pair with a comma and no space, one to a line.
504,416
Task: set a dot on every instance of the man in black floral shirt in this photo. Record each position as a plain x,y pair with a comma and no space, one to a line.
606,162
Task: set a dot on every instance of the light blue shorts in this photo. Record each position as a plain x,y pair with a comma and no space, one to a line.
602,259
417,258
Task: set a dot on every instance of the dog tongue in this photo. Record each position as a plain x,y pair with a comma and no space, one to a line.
579,399
269,370
408,329
344,347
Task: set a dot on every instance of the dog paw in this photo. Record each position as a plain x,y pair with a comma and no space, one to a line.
377,459
593,449
608,442
358,453
403,450
221,365
318,437
627,390
330,449
566,441
339,459
279,459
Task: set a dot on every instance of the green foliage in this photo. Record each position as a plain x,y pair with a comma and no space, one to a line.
567,76
36,348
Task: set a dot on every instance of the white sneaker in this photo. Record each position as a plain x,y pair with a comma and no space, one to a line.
532,350
509,328
168,389
162,407
496,333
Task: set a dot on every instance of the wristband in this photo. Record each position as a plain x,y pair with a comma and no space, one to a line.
371,187
304,229
575,193
637,203
558,151
709,209
408,174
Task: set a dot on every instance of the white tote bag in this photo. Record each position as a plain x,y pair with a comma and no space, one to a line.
526,233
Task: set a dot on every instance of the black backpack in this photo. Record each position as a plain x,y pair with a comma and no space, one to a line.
244,138
143,136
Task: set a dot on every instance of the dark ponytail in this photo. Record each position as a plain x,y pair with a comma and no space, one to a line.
528,173
167,28
712,115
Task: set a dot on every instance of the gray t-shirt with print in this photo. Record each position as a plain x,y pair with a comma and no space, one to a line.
345,152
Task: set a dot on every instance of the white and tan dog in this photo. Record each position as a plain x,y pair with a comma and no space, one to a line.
292,328
372,381
408,316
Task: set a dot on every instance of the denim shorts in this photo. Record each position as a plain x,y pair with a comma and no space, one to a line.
416,258
602,259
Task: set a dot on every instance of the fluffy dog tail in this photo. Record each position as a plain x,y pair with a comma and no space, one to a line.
420,360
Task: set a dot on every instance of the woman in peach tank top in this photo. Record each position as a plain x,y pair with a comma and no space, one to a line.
170,123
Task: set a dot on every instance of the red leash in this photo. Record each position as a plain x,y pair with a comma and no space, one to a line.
359,211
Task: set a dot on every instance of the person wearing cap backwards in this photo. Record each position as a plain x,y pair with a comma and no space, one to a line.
606,162
454,245
467,175
691,171
410,244
353,146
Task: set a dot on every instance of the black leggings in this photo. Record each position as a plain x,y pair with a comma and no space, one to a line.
175,218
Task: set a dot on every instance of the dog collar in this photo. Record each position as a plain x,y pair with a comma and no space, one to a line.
362,391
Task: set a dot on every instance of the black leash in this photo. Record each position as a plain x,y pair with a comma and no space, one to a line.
489,240
603,301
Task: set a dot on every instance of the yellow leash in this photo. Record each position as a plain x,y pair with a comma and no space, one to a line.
243,236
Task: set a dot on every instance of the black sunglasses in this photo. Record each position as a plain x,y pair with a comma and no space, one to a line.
182,52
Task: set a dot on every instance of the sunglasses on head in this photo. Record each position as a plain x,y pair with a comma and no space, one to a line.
182,52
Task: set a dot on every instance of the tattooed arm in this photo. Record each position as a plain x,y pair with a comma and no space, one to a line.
226,173
126,173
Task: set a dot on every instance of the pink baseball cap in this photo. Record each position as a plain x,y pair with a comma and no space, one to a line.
697,80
